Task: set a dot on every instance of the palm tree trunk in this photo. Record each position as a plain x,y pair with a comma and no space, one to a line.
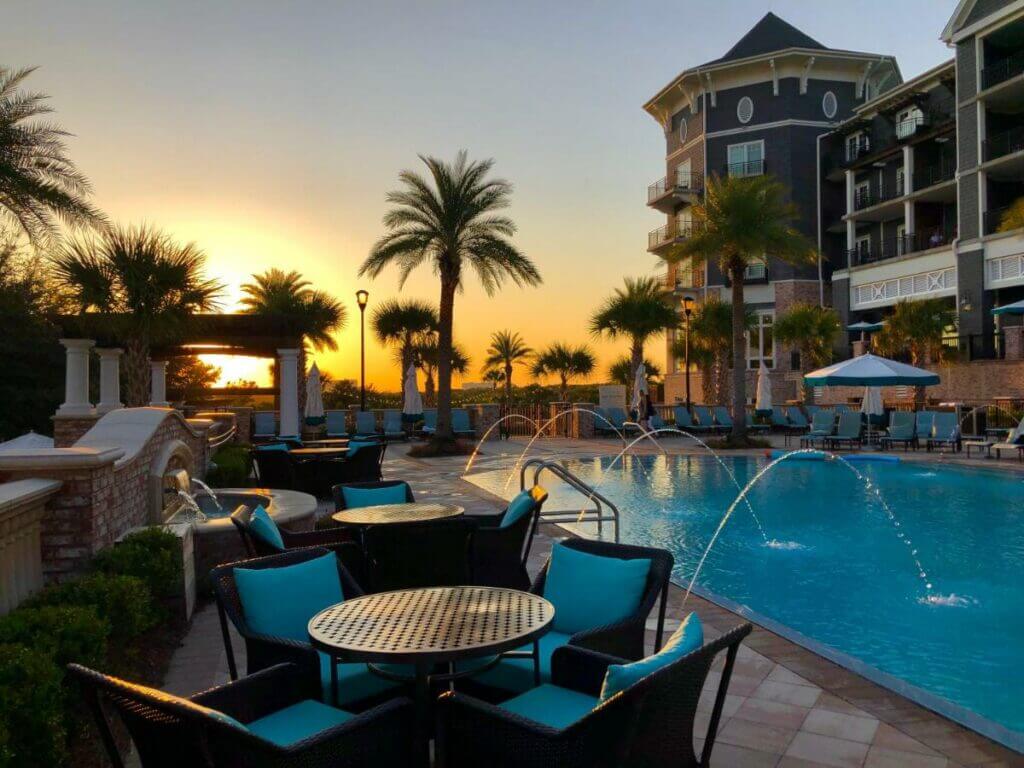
563,394
406,358
636,355
805,361
508,385
739,359
137,373
444,360
428,387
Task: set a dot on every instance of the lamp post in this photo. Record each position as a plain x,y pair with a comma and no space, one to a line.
361,298
687,312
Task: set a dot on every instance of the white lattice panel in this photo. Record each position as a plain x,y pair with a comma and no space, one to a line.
1006,268
897,288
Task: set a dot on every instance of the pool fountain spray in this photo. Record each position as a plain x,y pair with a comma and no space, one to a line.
480,442
209,492
191,506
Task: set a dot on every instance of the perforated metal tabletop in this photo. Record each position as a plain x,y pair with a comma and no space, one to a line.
390,514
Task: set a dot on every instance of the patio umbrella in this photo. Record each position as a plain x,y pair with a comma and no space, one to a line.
1017,308
28,441
865,328
314,398
871,371
412,403
639,390
763,403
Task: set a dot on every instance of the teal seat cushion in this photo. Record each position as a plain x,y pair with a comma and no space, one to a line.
589,591
521,505
685,640
272,447
368,497
356,682
297,722
517,674
262,524
280,601
355,445
553,706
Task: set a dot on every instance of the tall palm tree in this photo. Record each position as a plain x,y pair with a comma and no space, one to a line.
741,221
566,362
39,185
314,315
148,284
813,330
506,350
427,357
451,222
917,326
403,323
622,372
639,311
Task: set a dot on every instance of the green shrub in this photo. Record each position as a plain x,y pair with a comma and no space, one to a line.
152,555
124,602
65,633
31,709
233,465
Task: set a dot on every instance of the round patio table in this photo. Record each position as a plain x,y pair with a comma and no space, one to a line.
391,514
424,627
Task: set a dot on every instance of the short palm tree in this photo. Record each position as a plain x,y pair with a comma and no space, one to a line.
39,185
451,222
402,323
426,355
917,326
640,310
741,221
622,372
813,330
506,350
494,375
148,284
711,340
314,315
564,361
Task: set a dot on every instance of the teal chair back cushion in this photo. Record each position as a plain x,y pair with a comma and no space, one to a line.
355,445
392,421
280,601
335,421
430,419
590,591
683,418
685,640
460,420
261,524
521,505
366,422
370,497
849,424
722,416
263,422
823,421
796,416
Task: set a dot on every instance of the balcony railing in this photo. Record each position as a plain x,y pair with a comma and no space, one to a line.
994,219
1002,70
668,233
748,168
685,181
892,247
855,150
657,189
944,170
1001,144
865,197
909,127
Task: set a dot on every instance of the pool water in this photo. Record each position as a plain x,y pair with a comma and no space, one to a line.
837,570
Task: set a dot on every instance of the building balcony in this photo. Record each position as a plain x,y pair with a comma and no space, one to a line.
683,280
671,233
663,194
866,197
1002,70
748,168
853,152
894,247
1002,144
993,219
929,176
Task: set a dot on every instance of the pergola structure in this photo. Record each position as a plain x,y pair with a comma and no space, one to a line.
267,336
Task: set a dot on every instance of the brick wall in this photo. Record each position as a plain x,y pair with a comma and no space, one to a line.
67,430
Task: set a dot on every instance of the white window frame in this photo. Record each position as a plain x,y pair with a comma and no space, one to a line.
739,114
835,104
901,176
754,361
746,145
857,187
853,139
863,240
684,168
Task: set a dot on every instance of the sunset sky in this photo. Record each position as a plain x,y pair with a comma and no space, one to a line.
269,132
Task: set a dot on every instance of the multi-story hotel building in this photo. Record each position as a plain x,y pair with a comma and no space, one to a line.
903,185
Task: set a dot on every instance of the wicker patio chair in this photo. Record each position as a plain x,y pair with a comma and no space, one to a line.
648,725
279,469
171,732
500,553
412,555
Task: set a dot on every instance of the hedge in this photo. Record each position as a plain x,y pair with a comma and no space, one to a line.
151,555
124,602
32,712
232,467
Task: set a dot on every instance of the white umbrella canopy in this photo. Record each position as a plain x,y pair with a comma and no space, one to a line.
28,441
412,403
314,398
871,371
763,403
639,388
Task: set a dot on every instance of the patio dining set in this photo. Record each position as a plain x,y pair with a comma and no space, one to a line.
402,633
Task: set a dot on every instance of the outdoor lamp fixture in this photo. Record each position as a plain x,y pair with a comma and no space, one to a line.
687,312
965,301
361,298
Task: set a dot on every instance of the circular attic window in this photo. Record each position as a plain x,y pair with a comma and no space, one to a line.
745,110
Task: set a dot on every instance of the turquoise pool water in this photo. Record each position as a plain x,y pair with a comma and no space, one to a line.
838,571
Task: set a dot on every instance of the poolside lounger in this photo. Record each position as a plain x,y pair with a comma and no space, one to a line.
812,409
684,421
822,426
705,419
263,425
335,421
1011,439
723,418
841,409
749,421
901,430
797,418
618,418
849,431
366,425
925,422
657,422
779,418
1014,442
393,426
429,421
945,431
460,423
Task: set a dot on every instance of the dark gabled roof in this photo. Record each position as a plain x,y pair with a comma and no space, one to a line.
770,34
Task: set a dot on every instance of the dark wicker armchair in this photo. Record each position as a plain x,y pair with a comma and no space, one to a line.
279,469
500,554
365,465
170,732
412,555
339,496
648,725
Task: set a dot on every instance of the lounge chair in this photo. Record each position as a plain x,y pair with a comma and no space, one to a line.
460,423
723,418
749,421
429,422
901,430
271,718
705,419
1014,442
822,425
848,432
684,421
925,420
812,409
657,422
945,431
986,445
393,429
618,417
797,419
264,425
841,409
335,423
366,425
603,423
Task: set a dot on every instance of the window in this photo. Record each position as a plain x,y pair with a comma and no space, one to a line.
746,159
683,174
857,144
745,110
861,195
684,222
901,182
908,122
760,344
862,249
682,129
829,105
756,270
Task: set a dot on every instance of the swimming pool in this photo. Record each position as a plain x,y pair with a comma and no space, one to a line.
837,570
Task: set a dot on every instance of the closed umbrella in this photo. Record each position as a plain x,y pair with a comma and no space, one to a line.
314,398
872,408
639,390
412,403
763,403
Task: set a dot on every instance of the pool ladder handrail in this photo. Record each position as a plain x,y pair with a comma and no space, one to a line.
605,510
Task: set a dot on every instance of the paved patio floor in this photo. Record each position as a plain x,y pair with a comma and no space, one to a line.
786,707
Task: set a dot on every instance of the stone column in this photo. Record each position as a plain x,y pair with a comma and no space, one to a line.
158,379
560,426
288,365
110,380
583,421
76,377
1014,339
